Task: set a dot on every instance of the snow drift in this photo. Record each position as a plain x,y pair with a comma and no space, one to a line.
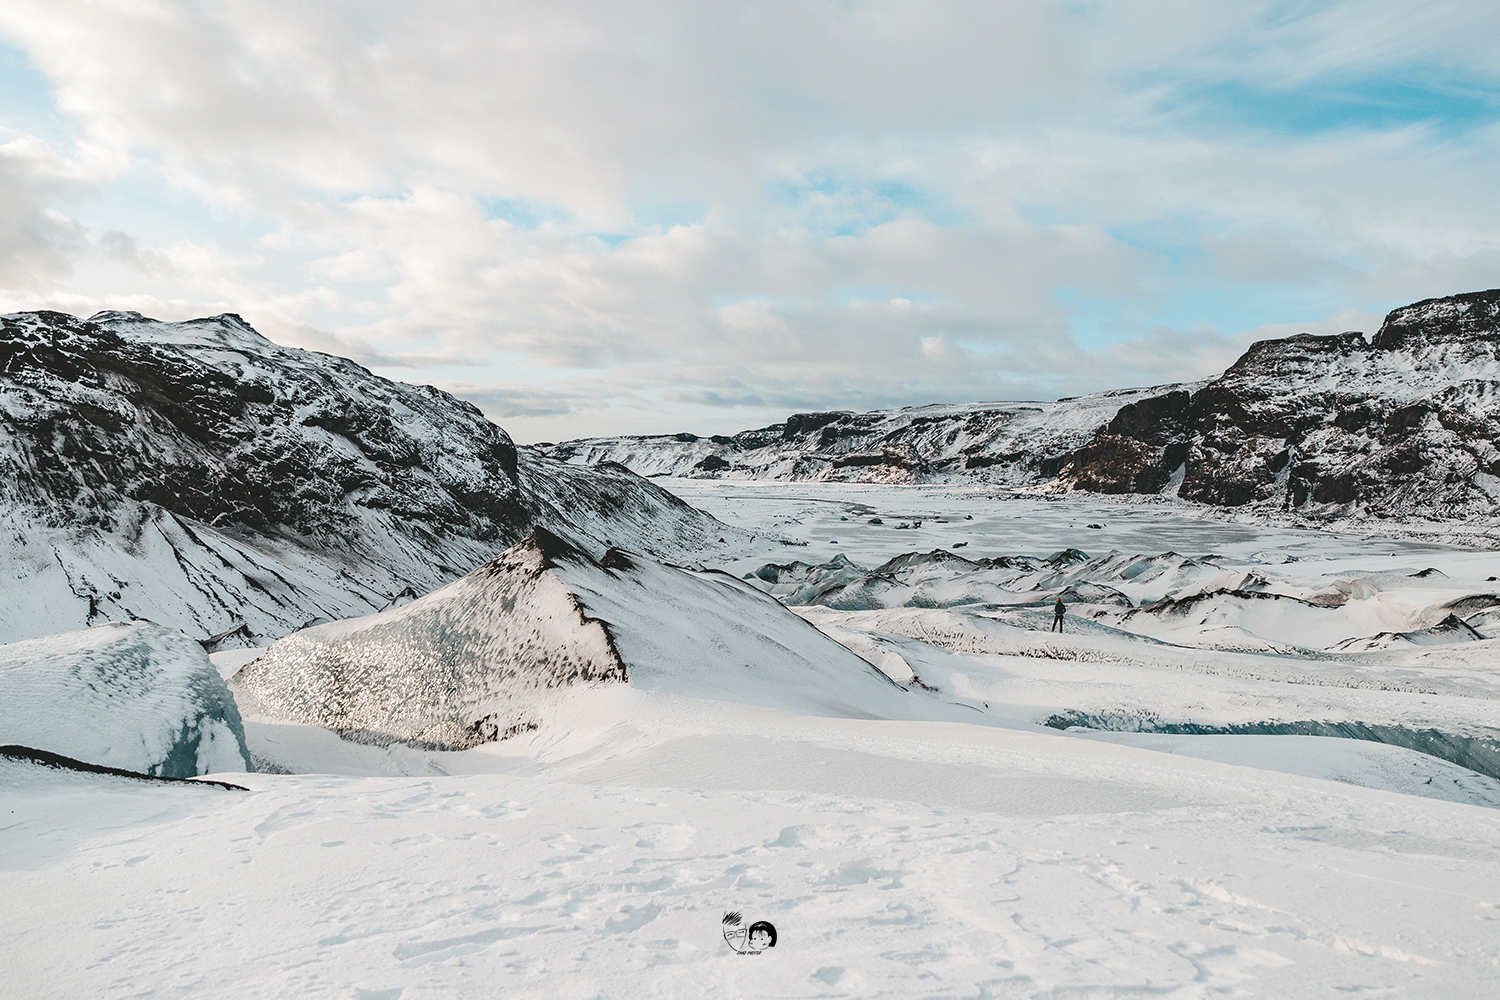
490,654
133,696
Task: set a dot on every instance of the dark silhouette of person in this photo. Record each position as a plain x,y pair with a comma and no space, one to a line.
1057,614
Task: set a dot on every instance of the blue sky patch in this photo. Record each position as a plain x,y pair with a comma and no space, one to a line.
1449,107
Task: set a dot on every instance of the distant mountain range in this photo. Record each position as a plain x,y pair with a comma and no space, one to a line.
200,476
1405,425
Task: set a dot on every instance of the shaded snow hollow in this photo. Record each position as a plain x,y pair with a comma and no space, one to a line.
484,657
128,695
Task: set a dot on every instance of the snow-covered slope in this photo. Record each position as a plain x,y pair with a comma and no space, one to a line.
199,475
1150,854
133,696
487,656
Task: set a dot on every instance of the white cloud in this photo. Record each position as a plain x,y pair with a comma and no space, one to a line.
655,214
37,244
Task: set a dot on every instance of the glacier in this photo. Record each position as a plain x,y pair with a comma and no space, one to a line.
489,655
129,695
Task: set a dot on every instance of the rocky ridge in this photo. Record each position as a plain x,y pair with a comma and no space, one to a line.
1404,425
1014,444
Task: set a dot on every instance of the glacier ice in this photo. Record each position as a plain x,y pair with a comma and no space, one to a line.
486,656
129,695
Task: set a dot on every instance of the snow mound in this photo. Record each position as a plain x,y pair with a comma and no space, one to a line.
491,654
128,695
1450,629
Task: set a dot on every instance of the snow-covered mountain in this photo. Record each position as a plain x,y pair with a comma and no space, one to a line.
1010,443
203,477
1403,425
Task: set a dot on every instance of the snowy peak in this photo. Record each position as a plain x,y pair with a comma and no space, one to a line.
1296,358
227,331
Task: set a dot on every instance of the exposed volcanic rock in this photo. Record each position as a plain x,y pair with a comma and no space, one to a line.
197,474
211,421
490,654
1405,425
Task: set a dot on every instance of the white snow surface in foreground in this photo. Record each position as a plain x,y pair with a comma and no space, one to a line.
129,695
915,857
896,859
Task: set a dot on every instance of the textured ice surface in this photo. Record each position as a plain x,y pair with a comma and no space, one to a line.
484,657
468,663
134,696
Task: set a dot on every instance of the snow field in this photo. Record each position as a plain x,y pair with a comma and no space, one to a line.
895,859
951,848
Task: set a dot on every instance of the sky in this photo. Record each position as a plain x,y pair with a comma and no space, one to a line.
651,217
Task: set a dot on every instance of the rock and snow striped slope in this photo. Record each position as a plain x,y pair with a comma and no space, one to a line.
1015,443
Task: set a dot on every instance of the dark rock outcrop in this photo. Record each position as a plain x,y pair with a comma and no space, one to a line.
1404,426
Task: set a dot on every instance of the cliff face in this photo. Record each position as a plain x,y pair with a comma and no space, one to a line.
1404,425
199,475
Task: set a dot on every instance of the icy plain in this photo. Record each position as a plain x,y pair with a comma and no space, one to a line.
595,856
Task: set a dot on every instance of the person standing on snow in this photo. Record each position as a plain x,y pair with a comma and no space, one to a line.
1057,614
